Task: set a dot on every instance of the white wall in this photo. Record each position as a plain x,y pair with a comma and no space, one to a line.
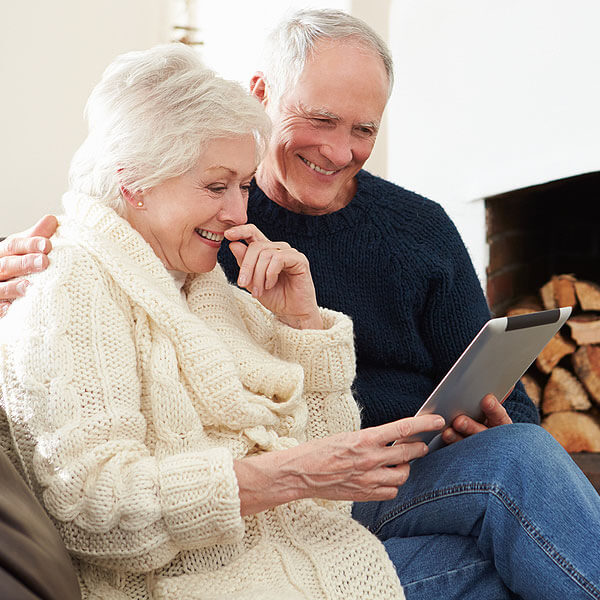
52,52
492,96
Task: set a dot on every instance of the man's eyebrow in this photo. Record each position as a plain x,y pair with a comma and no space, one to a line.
323,113
374,125
316,111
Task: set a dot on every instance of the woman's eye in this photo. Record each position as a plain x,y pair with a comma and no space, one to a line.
217,189
246,188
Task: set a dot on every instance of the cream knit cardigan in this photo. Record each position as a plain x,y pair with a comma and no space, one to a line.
127,405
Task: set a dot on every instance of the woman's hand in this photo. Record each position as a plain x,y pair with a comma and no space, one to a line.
358,465
277,275
463,426
22,254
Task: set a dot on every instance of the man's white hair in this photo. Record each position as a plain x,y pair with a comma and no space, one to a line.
291,43
150,118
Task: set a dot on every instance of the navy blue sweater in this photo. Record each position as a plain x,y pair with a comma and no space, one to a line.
396,264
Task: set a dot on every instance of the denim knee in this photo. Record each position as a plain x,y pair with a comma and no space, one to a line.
530,453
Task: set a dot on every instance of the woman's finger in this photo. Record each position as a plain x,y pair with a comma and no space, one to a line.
403,429
279,259
263,260
404,452
246,274
239,251
247,232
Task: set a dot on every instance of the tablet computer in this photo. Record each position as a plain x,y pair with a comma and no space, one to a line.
493,362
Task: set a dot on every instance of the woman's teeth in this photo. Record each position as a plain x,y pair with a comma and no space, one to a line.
209,235
316,168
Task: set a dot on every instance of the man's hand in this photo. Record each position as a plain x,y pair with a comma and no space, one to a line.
22,254
463,426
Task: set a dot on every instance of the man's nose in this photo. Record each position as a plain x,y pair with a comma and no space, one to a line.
337,149
234,207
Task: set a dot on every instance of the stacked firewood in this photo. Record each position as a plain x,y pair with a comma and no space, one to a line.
564,381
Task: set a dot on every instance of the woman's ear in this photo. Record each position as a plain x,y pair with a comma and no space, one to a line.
133,199
259,88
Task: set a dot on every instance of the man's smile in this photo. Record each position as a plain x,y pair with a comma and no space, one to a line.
317,168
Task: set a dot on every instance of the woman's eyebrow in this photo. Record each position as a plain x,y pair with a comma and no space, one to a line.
231,171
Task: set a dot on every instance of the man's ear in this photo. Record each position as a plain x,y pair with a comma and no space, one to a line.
259,88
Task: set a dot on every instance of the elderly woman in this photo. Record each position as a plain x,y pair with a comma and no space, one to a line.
164,417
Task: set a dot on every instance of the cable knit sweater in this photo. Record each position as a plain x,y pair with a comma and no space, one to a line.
394,262
127,406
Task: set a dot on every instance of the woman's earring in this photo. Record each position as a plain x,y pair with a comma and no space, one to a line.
140,204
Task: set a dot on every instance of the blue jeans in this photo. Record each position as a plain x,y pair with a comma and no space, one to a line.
503,514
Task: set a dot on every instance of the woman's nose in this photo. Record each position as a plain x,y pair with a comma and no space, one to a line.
234,207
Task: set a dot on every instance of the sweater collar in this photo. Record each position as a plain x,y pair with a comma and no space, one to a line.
355,212
112,236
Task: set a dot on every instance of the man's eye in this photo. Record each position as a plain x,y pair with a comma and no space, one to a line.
319,121
365,131
246,187
217,189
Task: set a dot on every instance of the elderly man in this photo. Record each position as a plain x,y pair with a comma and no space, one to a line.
465,524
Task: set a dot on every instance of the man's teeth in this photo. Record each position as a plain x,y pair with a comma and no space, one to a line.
209,235
316,168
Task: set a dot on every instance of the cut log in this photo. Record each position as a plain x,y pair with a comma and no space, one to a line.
553,352
564,391
524,306
585,328
559,291
586,363
547,295
588,294
533,388
574,431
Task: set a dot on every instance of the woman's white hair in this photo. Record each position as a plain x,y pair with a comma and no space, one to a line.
291,43
150,118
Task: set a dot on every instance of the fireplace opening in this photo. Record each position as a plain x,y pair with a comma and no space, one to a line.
536,232
544,251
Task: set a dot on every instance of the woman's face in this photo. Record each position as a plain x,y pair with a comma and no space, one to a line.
184,218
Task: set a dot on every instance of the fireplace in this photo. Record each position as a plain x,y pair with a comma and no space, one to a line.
540,231
534,234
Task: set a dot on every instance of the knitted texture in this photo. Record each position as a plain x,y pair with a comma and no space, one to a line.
126,409
395,263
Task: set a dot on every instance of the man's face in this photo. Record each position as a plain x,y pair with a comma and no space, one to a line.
324,129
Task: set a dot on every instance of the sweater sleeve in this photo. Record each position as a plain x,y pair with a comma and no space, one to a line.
73,370
455,308
327,359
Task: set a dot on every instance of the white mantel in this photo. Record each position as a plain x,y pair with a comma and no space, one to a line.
492,96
